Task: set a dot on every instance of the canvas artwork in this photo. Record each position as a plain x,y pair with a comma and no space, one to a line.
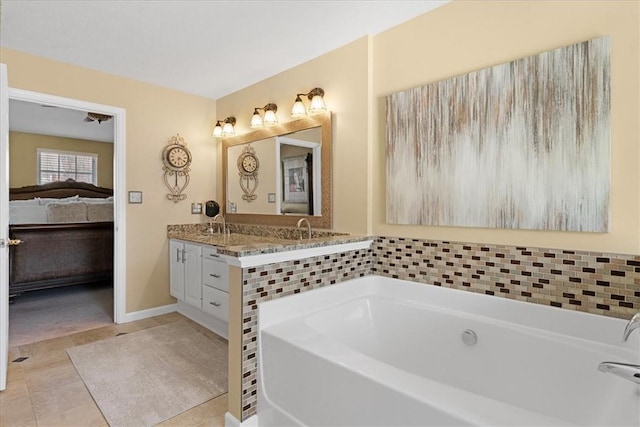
523,145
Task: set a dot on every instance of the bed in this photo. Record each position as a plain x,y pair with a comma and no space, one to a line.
66,229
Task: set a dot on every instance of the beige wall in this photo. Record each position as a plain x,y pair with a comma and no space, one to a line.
23,156
153,115
464,36
343,76
455,39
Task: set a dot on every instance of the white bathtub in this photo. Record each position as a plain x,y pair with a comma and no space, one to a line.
376,351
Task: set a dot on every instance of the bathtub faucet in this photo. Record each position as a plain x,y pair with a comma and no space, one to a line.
624,370
634,323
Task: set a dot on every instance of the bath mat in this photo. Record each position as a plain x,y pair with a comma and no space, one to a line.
149,376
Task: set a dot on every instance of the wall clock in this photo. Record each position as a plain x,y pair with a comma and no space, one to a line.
248,165
176,158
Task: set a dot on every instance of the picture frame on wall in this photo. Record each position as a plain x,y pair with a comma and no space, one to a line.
295,180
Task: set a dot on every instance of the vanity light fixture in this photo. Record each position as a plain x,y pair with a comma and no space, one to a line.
225,127
317,105
270,118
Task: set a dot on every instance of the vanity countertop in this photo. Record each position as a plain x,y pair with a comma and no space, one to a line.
240,243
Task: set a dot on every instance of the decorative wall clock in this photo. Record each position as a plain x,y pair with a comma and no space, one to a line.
248,165
176,158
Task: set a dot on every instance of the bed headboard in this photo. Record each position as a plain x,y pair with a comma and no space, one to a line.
59,190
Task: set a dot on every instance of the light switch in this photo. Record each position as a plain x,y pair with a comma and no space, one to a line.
135,196
196,208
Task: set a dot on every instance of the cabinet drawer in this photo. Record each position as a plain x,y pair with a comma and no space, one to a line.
215,302
210,252
215,273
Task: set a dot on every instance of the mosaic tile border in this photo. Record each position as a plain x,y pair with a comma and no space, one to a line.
267,282
598,283
605,284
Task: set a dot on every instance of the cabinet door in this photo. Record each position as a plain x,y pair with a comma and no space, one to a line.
193,275
176,269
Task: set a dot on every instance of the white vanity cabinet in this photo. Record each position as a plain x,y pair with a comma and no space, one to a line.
200,282
186,272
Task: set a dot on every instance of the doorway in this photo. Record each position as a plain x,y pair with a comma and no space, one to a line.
118,180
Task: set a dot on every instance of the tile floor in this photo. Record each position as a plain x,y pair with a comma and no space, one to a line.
46,390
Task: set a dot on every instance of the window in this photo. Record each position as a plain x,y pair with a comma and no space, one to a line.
62,165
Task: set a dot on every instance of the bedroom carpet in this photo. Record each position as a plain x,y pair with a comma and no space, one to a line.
149,376
41,315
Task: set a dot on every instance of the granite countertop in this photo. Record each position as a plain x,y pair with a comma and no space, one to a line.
246,240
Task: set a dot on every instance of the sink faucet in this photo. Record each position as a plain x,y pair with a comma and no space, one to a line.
224,224
300,221
634,323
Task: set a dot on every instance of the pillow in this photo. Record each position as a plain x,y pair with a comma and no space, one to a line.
46,201
66,212
96,200
27,214
29,202
100,212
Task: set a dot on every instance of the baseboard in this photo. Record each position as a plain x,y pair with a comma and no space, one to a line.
149,312
231,421
210,322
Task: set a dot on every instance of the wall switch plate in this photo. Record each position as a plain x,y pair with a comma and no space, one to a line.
196,208
135,196
272,197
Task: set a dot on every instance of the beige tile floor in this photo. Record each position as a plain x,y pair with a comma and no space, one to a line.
46,390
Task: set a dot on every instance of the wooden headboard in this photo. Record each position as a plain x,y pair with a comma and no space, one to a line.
59,190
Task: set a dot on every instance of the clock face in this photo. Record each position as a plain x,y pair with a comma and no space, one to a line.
178,157
249,163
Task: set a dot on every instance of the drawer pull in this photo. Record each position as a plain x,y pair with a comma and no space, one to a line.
217,276
214,303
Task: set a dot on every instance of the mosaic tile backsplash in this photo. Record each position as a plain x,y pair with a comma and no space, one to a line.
606,284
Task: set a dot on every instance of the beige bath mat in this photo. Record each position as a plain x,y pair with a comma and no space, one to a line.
149,376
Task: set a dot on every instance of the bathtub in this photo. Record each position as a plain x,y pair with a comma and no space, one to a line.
376,351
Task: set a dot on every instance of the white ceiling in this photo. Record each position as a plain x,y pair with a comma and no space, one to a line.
205,47
208,48
44,120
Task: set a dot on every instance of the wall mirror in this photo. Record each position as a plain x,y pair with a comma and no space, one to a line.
276,175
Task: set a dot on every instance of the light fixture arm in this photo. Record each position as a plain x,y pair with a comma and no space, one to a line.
316,91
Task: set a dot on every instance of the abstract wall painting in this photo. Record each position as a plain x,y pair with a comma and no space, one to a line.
521,145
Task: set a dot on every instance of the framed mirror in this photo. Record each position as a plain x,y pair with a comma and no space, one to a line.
276,175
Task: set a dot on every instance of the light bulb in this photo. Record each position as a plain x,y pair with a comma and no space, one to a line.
217,131
228,130
317,105
298,109
270,118
256,120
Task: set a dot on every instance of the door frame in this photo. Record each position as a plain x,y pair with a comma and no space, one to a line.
119,183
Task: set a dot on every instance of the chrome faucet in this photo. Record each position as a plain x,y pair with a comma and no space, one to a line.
299,224
224,224
634,323
625,370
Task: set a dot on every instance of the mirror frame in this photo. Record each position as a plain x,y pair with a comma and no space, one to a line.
325,220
